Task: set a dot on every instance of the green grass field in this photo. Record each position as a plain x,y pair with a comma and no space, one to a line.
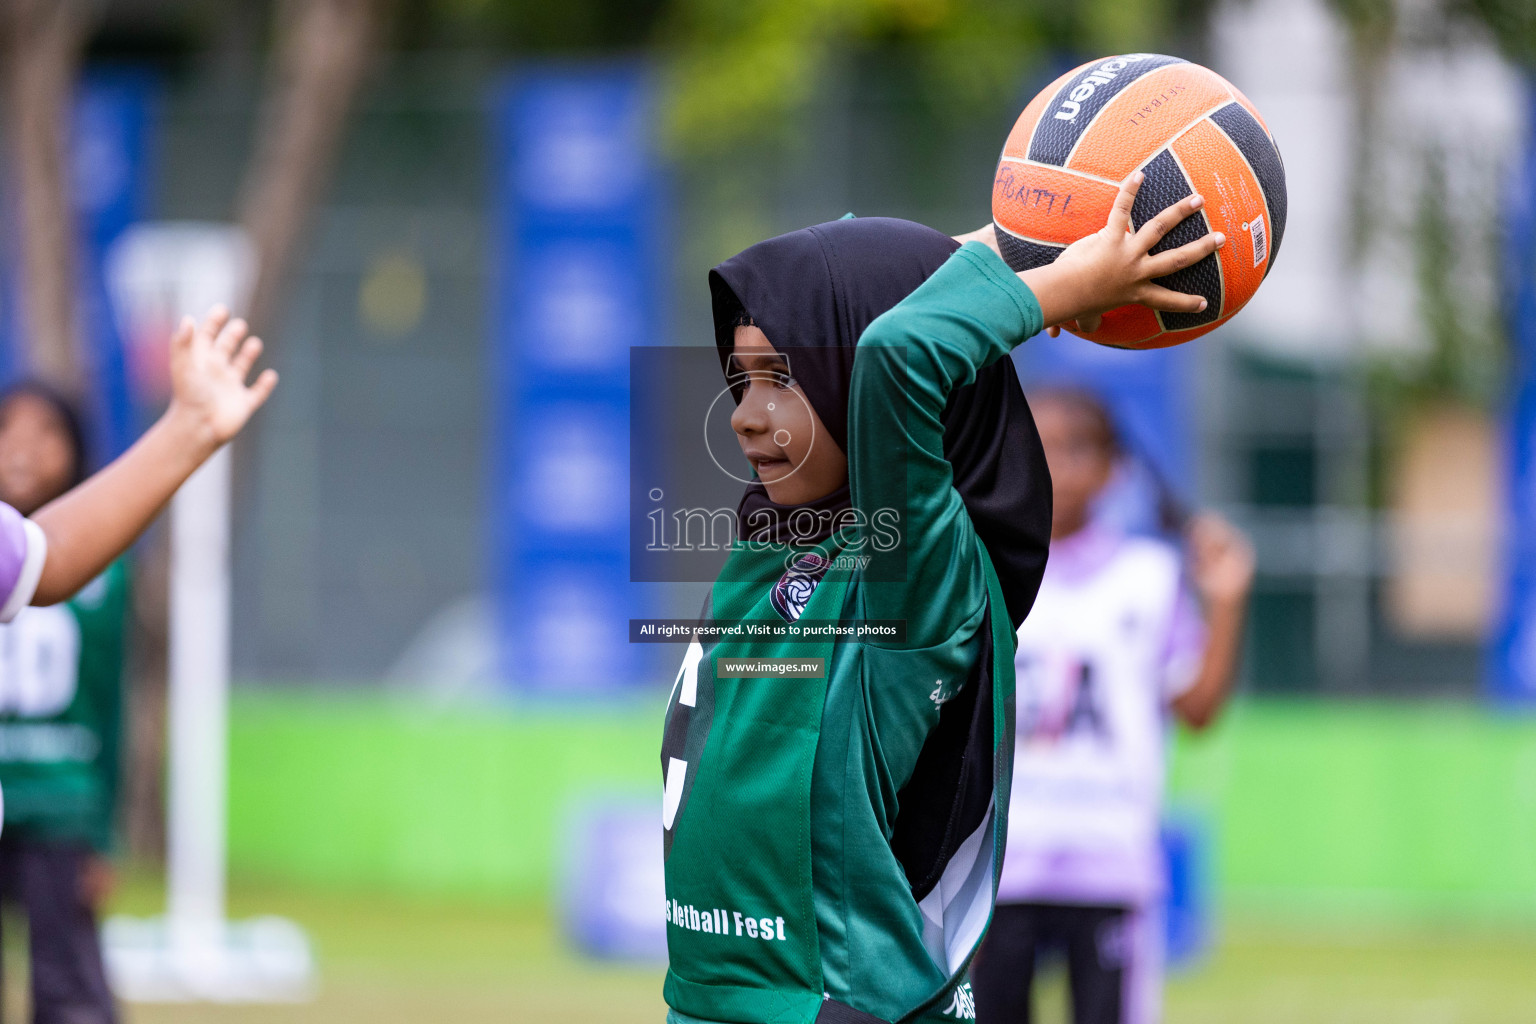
416,846
385,960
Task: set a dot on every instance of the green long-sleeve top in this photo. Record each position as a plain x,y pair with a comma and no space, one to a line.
61,705
786,793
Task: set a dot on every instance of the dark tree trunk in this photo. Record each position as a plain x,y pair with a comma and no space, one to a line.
42,47
324,50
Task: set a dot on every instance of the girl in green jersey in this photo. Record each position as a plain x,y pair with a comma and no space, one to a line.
832,843
61,697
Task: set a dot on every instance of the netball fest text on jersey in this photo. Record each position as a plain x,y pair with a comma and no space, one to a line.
737,756
720,922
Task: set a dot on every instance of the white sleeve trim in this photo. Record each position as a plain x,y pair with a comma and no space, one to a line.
31,571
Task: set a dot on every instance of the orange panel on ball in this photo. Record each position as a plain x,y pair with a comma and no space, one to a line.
1233,200
1172,338
1126,327
1142,119
1047,204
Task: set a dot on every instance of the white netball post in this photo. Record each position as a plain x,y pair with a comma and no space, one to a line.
193,953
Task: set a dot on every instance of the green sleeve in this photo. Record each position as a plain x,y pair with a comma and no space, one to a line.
970,313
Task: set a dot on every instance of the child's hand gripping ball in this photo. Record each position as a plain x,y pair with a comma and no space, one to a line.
1189,132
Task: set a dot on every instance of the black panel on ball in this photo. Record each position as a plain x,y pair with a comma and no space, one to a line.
1165,184
1022,254
1254,143
1065,120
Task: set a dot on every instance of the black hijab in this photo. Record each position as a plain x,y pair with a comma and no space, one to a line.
812,292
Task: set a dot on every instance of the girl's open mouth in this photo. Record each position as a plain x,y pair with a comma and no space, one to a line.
768,465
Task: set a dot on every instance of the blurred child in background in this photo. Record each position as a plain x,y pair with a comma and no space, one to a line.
1114,643
61,671
56,541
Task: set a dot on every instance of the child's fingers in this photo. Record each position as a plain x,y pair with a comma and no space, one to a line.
1153,230
1205,539
230,337
1086,324
1120,213
1167,300
182,338
213,322
262,389
246,357
986,236
1188,254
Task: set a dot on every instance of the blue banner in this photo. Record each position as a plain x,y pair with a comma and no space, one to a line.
1512,661
1185,842
111,178
612,878
579,275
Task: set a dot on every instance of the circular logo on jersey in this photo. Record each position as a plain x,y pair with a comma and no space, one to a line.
794,589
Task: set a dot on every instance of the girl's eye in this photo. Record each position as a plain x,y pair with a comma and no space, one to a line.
777,378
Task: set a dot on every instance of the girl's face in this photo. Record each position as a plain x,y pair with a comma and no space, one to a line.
1080,455
37,460
779,431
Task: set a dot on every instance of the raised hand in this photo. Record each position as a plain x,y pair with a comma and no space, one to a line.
1221,560
1221,566
95,522
1115,266
209,366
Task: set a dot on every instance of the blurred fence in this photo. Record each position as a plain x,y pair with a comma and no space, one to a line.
359,506
1292,453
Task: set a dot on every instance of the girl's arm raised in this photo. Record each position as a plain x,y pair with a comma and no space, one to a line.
94,523
919,541
972,311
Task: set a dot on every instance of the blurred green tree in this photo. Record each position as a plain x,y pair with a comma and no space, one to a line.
1464,358
736,68
521,26
1513,23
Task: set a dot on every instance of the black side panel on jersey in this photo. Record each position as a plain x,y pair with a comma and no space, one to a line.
1164,185
951,788
1254,143
1064,121
1021,254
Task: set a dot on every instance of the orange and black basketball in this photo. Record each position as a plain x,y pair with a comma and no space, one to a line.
1188,130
